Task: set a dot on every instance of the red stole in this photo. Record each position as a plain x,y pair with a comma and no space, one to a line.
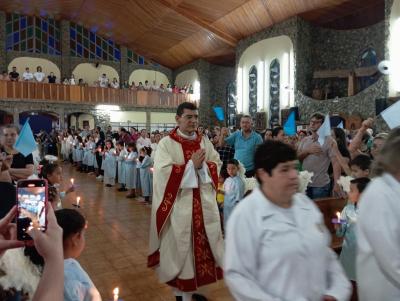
205,268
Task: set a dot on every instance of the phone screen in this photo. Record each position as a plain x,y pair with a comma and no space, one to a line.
31,208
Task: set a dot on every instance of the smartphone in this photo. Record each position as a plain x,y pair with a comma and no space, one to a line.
31,202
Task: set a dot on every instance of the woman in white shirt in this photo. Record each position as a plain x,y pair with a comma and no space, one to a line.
39,75
277,246
378,228
115,83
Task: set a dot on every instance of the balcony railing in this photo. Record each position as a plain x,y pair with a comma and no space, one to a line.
89,95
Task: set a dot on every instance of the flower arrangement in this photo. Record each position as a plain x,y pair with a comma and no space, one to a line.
344,182
18,272
304,179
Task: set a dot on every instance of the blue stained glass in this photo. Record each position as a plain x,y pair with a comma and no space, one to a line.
23,22
16,37
9,41
141,60
58,52
117,55
110,42
51,41
79,49
72,33
98,51
51,50
44,25
93,37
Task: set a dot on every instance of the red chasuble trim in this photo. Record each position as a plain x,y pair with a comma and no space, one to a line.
206,271
174,182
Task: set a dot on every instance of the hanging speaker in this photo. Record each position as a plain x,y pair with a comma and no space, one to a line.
385,67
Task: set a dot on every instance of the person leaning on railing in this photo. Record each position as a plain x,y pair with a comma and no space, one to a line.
4,76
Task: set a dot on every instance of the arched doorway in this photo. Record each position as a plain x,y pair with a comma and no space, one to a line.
81,120
40,120
6,118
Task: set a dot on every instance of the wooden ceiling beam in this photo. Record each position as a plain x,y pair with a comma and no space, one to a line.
220,34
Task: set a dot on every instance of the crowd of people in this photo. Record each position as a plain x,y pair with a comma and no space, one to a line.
268,238
103,81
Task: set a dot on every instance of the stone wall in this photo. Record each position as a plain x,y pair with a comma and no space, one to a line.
214,80
3,64
362,104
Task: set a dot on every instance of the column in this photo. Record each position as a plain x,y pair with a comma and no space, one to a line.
148,121
16,116
124,75
65,50
3,53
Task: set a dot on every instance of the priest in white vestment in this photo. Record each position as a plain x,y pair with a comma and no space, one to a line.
186,242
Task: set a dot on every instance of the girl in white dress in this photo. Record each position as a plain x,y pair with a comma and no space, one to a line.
77,284
122,152
130,163
109,164
146,174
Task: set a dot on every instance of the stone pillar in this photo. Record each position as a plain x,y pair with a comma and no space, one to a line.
123,72
65,50
148,121
3,53
61,118
16,116
205,113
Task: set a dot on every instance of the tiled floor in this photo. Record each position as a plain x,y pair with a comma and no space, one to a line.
117,243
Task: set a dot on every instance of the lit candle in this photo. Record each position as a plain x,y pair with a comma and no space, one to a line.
72,181
77,200
151,169
338,216
116,293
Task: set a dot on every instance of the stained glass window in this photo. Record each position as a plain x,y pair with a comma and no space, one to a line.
253,91
33,34
87,44
232,101
135,58
367,58
274,92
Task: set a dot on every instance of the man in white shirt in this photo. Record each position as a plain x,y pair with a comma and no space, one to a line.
147,86
143,140
39,75
27,75
103,81
115,83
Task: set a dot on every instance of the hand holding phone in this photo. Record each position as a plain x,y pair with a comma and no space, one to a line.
32,199
8,232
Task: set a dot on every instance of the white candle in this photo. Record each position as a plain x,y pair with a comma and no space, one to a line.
116,293
77,200
72,181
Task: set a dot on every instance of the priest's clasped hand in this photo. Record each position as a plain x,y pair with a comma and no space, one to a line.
198,158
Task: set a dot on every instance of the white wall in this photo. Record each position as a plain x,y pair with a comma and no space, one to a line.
89,73
261,54
124,116
142,75
157,117
187,77
81,118
22,62
394,50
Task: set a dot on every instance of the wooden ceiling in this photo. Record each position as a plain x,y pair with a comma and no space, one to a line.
176,32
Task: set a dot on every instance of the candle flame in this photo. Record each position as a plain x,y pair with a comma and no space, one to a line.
77,200
116,291
72,181
338,215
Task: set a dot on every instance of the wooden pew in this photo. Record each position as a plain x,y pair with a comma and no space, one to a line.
329,207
